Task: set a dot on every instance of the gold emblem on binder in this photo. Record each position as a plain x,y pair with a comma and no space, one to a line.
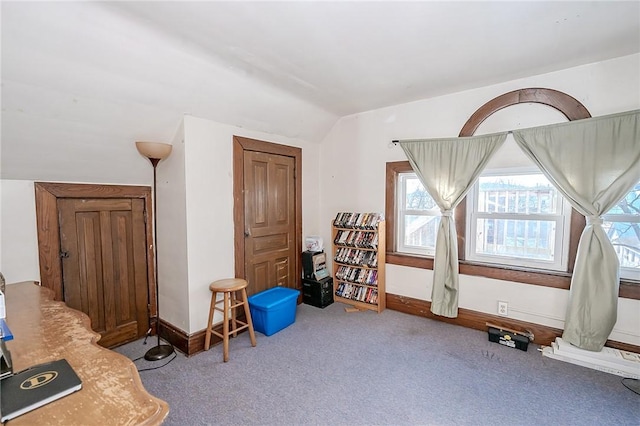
38,380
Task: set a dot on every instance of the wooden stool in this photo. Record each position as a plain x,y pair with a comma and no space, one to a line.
230,302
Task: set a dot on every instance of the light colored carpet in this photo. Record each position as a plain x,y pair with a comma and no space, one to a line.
337,368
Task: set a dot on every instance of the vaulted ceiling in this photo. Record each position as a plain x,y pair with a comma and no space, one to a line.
92,77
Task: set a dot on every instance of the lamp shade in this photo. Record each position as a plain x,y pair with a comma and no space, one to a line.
155,150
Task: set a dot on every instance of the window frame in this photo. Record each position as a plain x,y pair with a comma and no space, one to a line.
402,211
562,219
629,289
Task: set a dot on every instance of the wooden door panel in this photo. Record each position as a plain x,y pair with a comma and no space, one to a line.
139,246
121,310
259,204
124,295
269,220
124,333
258,276
82,269
104,273
282,271
282,195
86,252
268,243
105,299
98,205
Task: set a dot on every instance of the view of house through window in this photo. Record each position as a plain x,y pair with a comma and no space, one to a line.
518,219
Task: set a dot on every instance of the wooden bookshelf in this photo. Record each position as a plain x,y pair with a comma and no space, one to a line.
359,260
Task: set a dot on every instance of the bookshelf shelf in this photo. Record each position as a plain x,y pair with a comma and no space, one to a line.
359,260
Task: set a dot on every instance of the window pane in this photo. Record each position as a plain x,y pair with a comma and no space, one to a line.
523,194
418,217
622,225
518,219
421,231
532,239
625,237
417,197
629,205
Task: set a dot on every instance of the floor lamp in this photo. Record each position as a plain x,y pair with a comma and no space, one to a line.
155,152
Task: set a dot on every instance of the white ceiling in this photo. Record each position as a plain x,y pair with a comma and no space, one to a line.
96,76
349,57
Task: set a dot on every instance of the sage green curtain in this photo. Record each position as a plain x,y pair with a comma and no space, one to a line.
448,168
594,163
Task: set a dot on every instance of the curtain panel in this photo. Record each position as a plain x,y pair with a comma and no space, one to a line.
594,163
448,168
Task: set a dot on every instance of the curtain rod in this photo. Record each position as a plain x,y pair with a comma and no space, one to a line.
397,141
571,122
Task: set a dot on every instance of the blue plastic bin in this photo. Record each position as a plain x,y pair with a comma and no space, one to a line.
273,309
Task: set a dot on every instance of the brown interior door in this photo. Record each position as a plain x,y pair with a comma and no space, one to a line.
104,269
270,251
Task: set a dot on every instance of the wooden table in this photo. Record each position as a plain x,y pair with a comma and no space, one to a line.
45,330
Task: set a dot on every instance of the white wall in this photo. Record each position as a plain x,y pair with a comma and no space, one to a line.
354,154
172,235
209,204
18,232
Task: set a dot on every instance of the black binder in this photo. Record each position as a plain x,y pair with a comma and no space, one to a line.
35,387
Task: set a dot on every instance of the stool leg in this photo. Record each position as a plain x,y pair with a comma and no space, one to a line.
225,328
247,313
207,339
234,324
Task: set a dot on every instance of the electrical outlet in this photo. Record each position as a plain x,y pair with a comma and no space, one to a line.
503,308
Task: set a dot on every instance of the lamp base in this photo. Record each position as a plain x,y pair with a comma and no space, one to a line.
158,352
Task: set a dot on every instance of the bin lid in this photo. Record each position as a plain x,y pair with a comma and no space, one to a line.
269,298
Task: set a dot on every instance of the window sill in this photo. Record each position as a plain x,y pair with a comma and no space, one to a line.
628,289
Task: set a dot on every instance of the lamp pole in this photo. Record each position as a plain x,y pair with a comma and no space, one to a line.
156,152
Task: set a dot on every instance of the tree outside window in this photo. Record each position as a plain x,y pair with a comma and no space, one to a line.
622,225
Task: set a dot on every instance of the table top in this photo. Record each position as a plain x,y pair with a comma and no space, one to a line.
45,330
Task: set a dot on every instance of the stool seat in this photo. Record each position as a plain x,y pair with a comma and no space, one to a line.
228,284
229,287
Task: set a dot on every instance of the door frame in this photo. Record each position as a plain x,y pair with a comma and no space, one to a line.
240,145
48,227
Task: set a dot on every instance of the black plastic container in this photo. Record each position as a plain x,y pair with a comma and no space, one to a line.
317,293
508,338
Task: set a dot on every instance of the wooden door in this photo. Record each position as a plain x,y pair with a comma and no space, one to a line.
270,221
104,265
